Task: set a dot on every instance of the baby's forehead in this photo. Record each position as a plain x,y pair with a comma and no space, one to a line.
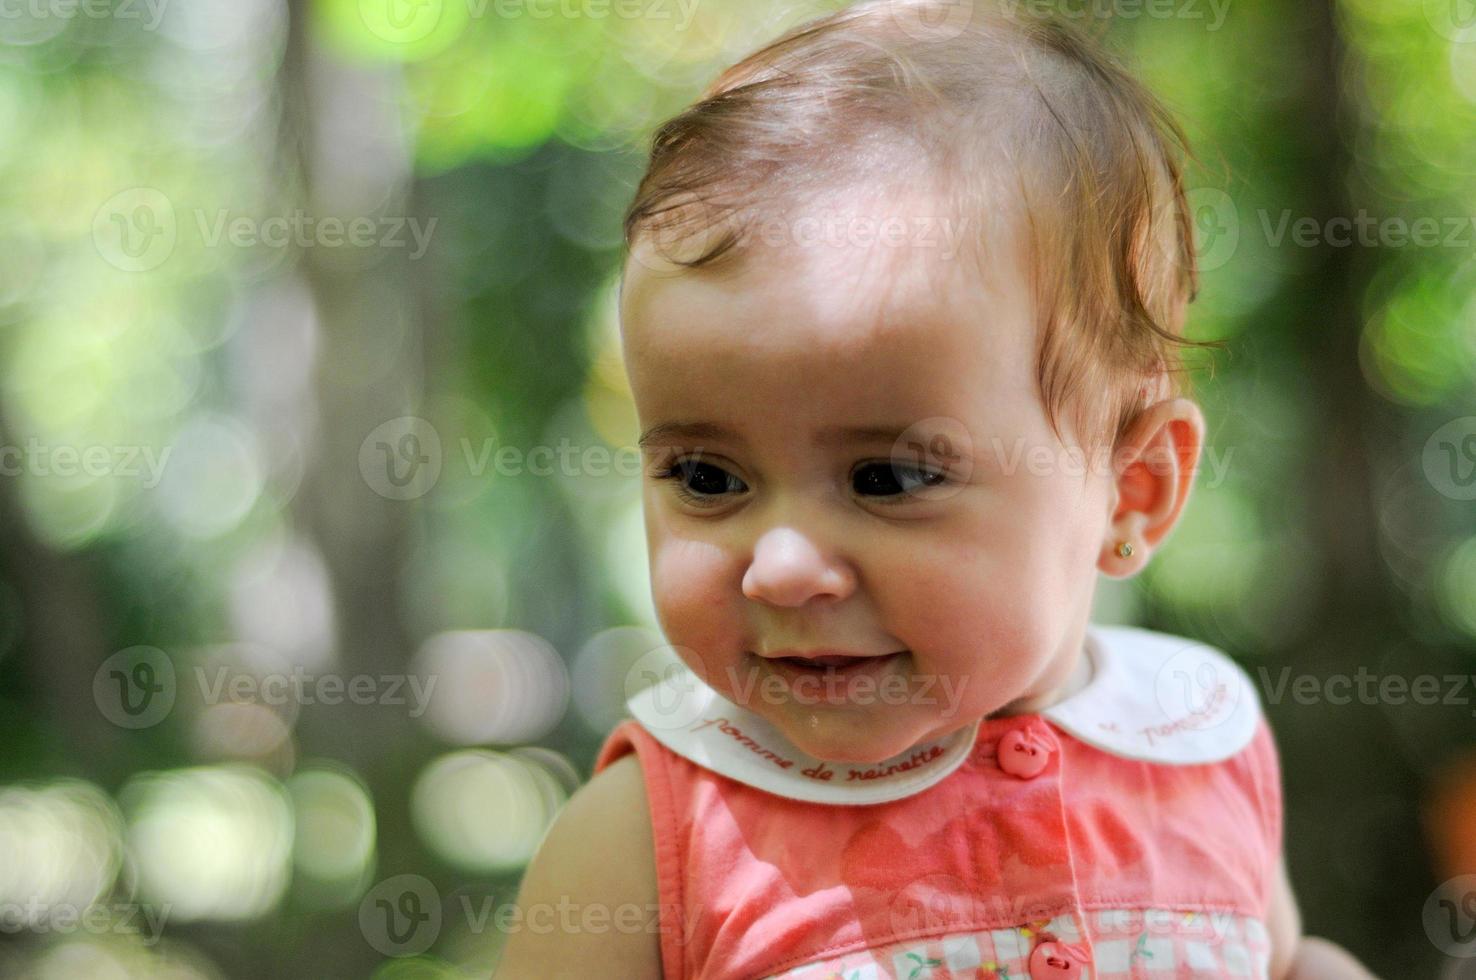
806,327
856,257
816,299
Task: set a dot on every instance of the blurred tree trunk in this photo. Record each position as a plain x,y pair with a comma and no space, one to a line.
1349,428
64,638
342,128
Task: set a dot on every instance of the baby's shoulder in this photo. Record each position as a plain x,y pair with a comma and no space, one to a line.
587,902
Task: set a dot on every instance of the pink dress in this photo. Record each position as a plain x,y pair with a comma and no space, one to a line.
1132,830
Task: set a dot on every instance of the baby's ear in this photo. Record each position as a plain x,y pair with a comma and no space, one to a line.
1153,468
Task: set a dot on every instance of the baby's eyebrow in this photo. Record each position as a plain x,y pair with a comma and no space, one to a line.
828,436
671,431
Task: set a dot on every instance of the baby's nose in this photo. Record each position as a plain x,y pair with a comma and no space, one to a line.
790,567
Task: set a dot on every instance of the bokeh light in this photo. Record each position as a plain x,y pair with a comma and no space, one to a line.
485,811
335,837
212,842
492,686
61,847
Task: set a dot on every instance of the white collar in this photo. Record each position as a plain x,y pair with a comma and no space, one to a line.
1152,696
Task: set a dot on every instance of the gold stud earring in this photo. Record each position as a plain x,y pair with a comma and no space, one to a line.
1124,549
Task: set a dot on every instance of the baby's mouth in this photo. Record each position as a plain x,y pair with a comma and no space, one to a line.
834,665
824,661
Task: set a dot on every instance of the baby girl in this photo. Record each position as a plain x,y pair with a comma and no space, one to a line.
902,318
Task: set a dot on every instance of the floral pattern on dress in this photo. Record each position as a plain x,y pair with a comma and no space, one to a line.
1124,944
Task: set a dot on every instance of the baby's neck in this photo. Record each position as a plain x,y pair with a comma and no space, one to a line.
1079,677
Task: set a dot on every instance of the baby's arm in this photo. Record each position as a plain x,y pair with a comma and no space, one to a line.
593,865
1298,957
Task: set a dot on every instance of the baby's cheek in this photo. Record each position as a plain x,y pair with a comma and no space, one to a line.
969,616
690,587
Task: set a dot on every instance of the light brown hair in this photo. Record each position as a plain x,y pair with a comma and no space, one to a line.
994,111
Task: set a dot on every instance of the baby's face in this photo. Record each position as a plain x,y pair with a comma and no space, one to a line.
802,376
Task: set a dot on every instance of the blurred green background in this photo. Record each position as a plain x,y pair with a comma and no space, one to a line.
321,559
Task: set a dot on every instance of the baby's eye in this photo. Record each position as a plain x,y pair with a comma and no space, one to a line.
892,479
701,483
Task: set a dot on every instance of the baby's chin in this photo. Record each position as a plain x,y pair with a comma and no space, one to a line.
836,735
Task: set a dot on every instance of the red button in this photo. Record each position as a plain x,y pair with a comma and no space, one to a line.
1023,753
1055,960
